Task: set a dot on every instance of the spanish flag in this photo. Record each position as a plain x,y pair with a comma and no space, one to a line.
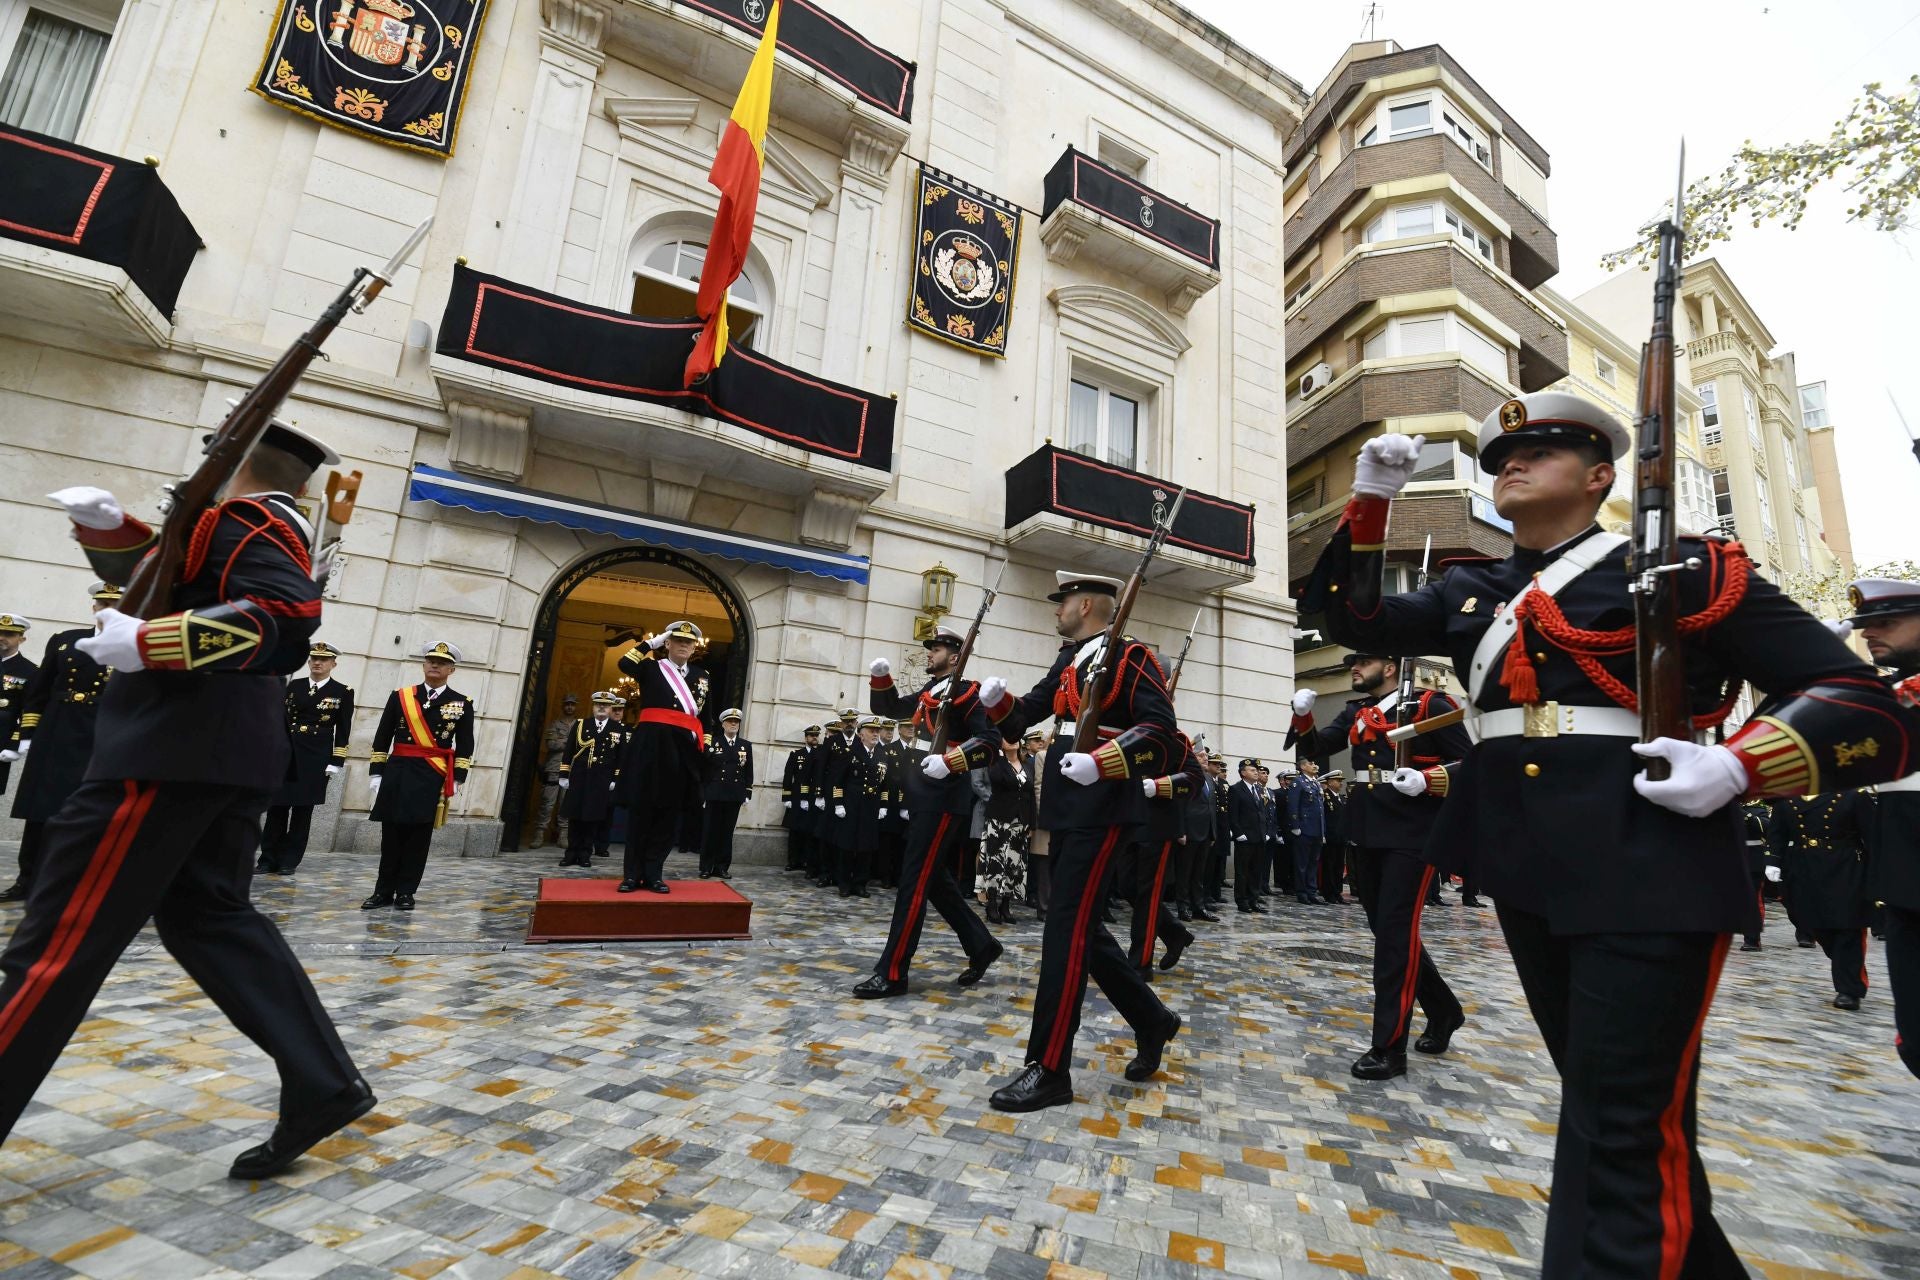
736,172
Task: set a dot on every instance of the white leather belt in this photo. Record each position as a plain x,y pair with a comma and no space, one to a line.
1909,783
1558,719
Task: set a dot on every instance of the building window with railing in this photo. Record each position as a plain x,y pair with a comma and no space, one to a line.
1103,421
1421,115
51,53
1709,413
1752,406
1405,221
1764,497
1722,502
1603,369
1813,405
1800,538
1430,334
1790,461
1695,497
667,282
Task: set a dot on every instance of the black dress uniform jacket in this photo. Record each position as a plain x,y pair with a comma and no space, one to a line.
1378,817
859,788
1892,828
411,787
828,759
319,721
973,734
727,770
590,762
15,674
796,796
662,769
58,715
1552,825
1818,841
1247,804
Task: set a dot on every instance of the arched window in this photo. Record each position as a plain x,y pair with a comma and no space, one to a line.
666,280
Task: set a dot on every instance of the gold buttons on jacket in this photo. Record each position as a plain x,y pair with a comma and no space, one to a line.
1532,771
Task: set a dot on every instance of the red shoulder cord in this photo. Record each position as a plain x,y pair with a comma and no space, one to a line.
1067,697
1586,648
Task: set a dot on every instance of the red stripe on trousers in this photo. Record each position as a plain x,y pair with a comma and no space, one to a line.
1676,1191
1412,975
1077,953
80,911
919,899
1863,959
1153,903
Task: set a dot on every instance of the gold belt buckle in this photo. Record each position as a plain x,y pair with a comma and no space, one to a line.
1542,720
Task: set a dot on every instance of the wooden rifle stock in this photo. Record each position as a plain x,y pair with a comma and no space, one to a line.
943,723
1086,733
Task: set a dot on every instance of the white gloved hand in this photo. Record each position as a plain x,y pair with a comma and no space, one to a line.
116,641
1080,767
935,767
1386,463
904,814
1704,779
373,787
1296,831
1239,839
839,811
658,642
1773,874
90,508
565,783
879,667
786,804
1303,700
1841,629
1149,786
992,690
883,813
332,769
1410,782
613,786
8,756
821,803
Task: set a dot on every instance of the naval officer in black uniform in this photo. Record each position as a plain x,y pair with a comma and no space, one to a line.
319,722
590,761
1817,840
53,736
660,780
726,783
1618,894
422,750
796,798
191,742
16,669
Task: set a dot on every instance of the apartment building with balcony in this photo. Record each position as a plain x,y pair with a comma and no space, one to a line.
1416,237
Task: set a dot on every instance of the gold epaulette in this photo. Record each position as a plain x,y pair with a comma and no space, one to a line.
378,757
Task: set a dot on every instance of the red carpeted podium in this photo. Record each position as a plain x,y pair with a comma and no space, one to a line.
592,911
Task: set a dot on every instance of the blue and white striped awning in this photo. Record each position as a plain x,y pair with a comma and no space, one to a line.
451,489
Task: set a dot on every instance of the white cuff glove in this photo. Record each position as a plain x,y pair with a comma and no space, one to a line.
904,814
565,783
1773,874
992,690
883,813
613,786
1410,782
935,767
1296,831
786,804
820,803
658,642
1080,767
1150,786
9,755
839,811
1704,779
116,642
1385,464
332,769
1303,700
1239,839
879,667
90,508
373,787
1841,629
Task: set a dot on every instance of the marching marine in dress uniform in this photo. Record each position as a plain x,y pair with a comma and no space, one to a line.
796,798
319,722
1886,612
1092,803
1817,841
1389,815
191,743
727,783
1142,878
16,669
939,803
54,734
661,777
589,777
421,753
1617,892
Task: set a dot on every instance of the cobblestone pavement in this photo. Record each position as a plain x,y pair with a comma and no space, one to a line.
726,1110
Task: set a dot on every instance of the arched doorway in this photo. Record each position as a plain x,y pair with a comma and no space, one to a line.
594,613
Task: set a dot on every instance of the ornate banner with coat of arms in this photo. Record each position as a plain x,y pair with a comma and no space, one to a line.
967,250
395,70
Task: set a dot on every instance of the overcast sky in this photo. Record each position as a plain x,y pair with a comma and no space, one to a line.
1609,90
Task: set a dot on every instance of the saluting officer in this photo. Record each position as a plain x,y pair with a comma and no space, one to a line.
319,722
54,734
1817,841
1389,816
192,742
589,776
727,784
796,798
421,753
16,669
1092,803
1618,893
939,802
660,779
1886,613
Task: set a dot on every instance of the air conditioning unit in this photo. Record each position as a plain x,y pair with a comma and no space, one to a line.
1315,380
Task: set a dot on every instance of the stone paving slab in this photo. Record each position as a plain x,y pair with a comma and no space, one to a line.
725,1109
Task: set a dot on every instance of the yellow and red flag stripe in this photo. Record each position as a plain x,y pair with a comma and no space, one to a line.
736,172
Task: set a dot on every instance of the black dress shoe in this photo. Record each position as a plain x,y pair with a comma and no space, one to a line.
1845,1001
263,865
1378,1064
1146,1063
1259,910
1749,946
658,886
977,969
1034,1089
878,987
403,902
1243,909
858,893
706,875
728,875
15,892
295,1135
627,886
1805,944
1146,973
377,900
1438,1036
1174,951
1183,914
1206,914
1469,900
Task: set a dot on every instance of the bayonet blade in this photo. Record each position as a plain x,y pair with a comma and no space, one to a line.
1680,189
399,259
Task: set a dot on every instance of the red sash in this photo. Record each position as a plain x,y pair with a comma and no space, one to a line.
440,758
678,719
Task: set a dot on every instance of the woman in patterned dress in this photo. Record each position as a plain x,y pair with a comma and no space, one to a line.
1009,826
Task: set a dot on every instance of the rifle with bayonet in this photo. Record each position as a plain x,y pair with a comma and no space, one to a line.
1180,663
1660,667
943,720
149,592
1086,734
1403,707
